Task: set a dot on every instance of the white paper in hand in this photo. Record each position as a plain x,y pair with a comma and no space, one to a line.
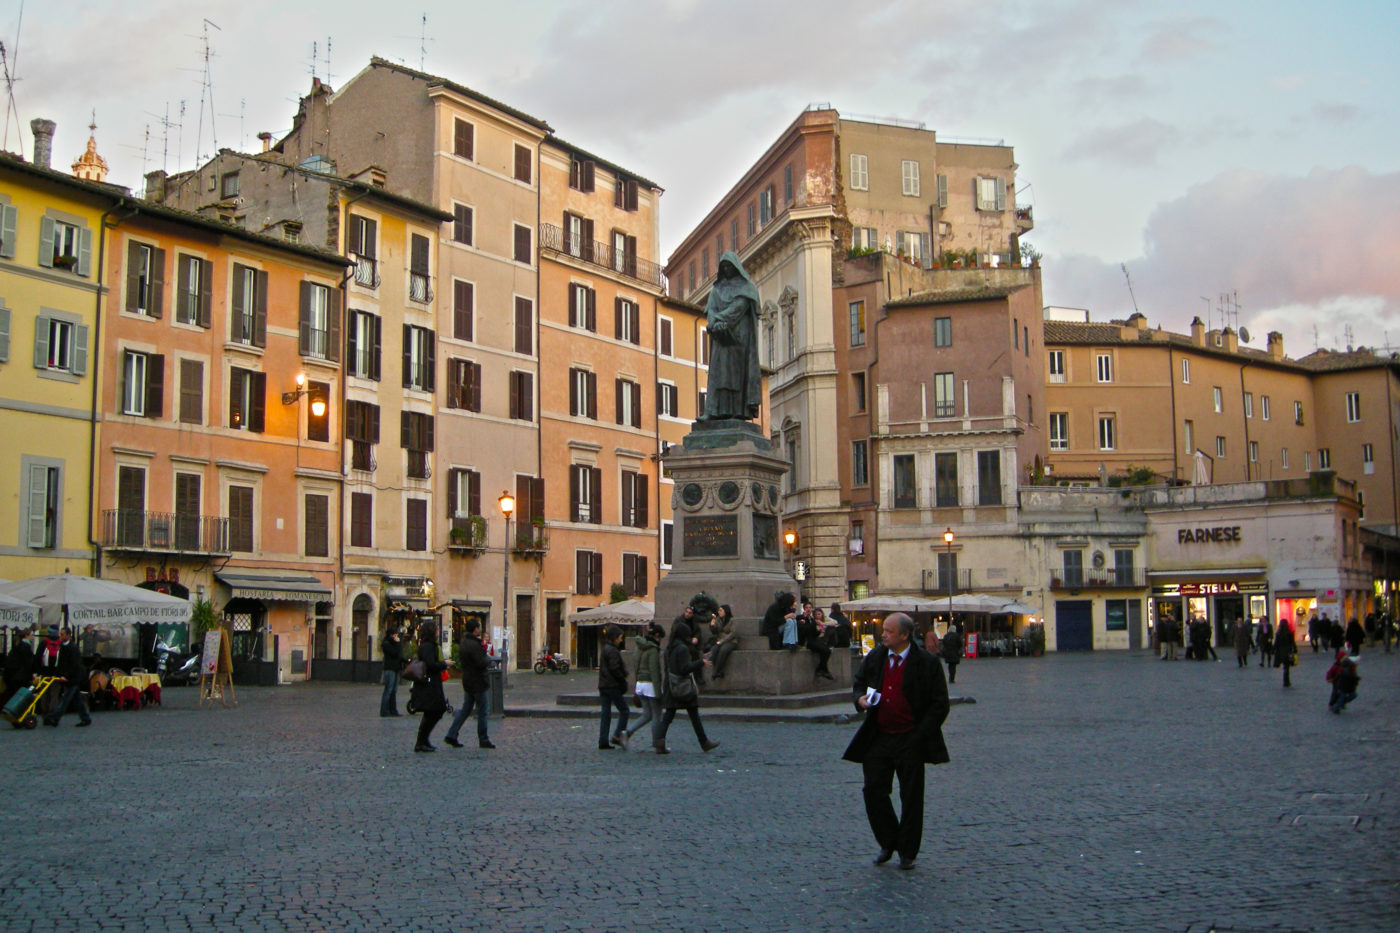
872,696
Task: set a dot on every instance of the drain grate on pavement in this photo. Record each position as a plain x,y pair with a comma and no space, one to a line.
1326,819
1324,798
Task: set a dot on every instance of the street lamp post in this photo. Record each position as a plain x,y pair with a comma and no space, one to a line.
948,540
507,502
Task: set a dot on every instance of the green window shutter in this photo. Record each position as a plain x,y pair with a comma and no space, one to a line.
41,342
9,222
84,251
38,505
46,234
80,349
4,334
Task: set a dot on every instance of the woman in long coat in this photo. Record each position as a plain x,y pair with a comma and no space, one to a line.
1284,647
679,663
426,695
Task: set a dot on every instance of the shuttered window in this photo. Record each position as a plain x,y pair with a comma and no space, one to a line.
522,396
191,392
524,326
240,518
634,574
361,519
523,163
463,310
588,573
416,524
317,526
463,139
585,493
523,244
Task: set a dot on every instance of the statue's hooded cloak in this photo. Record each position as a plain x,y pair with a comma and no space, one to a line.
732,314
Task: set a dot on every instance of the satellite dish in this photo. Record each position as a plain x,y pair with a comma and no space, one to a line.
1244,334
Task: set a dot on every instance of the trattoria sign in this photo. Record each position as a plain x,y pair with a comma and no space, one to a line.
1220,534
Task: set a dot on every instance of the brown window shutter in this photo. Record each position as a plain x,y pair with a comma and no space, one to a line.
592,310
587,244
642,582
453,478
522,163
627,497
522,244
619,387
524,326
636,388
619,309
575,506
191,391
473,492
236,331
462,299
304,319
596,494
639,500
597,575
259,309
257,420
430,360
583,571
407,355
474,387
536,497
418,260
353,421
454,383
636,312
317,510
593,396
354,237
155,385
158,283
514,395
406,430
573,391
588,175
133,275
573,305
333,312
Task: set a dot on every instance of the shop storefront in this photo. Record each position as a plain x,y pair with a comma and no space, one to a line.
1220,597
271,615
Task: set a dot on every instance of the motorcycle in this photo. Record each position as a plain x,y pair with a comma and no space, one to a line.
174,667
551,661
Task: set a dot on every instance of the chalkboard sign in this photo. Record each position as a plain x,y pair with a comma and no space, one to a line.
209,660
216,669
711,536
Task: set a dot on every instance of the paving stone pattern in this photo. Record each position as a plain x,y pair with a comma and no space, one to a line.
1106,792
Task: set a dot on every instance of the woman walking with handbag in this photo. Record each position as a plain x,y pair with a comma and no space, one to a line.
680,688
426,695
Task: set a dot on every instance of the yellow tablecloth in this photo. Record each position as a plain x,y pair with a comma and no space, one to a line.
139,681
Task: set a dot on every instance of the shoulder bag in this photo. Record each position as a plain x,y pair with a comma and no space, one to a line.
682,689
415,671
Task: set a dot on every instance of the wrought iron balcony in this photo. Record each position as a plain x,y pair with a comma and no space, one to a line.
557,239
530,541
138,530
466,534
936,582
1107,578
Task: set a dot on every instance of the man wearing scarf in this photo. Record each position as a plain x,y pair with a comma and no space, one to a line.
732,321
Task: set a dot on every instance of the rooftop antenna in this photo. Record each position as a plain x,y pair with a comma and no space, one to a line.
329,76
1129,278
423,40
242,108
206,90
1350,335
166,123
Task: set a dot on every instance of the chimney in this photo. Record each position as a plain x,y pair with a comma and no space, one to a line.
1232,340
155,186
43,140
266,138
1275,345
1139,320
1198,332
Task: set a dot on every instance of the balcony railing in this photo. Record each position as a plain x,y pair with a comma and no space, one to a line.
594,253
366,271
418,288
530,541
1108,578
936,582
139,530
467,534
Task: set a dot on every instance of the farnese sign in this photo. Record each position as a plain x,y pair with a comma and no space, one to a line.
1221,534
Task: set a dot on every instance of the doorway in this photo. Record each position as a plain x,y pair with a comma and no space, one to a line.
1227,610
553,623
1074,625
524,647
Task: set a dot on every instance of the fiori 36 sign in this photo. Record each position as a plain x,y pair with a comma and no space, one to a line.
1222,534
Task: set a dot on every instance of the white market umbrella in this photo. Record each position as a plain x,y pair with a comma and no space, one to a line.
90,601
892,604
627,612
1014,608
17,612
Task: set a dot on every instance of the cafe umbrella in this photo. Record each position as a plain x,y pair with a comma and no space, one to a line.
79,601
17,612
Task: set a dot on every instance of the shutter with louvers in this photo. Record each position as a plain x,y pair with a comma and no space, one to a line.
642,582
259,309
639,502
47,230
206,301
38,505
473,387
317,511
257,418
454,383
473,492
587,244
304,319
573,392
524,326
942,190
523,513
376,329
583,571
1001,194
191,391
80,350
407,356
595,581
333,311
595,494
236,325
462,310
592,379
157,287
627,477
619,387
406,430
591,315
372,422
575,503
573,305
352,342
9,224
429,360
418,261
155,385
522,244
454,476
619,309
636,390
514,384
133,276
84,251
4,334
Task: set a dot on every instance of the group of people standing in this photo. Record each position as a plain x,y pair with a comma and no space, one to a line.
57,656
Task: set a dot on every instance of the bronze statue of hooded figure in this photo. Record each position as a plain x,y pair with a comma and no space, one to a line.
732,321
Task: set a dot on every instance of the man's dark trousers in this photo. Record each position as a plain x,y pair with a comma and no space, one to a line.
892,756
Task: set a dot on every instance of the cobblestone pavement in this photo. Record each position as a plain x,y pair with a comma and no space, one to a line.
1104,792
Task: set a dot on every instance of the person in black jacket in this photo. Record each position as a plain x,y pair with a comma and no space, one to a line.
392,646
901,689
471,655
952,651
679,664
811,633
841,627
426,695
775,616
74,674
19,663
612,687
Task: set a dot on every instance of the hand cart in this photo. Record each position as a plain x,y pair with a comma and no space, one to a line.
20,710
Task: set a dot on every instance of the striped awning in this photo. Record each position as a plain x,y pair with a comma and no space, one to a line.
274,585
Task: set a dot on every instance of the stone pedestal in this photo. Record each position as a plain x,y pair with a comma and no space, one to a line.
727,543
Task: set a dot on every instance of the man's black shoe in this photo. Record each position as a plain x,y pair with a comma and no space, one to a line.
424,748
884,856
453,742
486,743
905,863
604,748
85,722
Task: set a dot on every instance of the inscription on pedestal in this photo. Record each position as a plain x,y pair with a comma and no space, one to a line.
711,536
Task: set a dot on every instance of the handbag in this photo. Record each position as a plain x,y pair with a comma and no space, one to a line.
415,671
682,689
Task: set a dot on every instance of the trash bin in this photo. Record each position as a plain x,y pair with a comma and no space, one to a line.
494,683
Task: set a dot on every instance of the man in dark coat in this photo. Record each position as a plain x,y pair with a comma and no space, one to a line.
783,605
74,674
19,664
392,646
841,638
471,655
901,688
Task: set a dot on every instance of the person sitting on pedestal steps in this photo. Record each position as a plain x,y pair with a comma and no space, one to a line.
775,616
726,640
811,633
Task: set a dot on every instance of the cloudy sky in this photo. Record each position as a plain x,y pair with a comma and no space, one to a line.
1248,147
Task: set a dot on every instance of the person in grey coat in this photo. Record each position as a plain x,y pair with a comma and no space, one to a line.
649,680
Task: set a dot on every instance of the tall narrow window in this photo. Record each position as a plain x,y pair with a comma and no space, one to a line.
248,315
524,326
909,172
191,391
858,391
462,224
240,518
1073,562
905,482
1059,430
523,163
316,526
361,519
524,247
1217,399
945,478
1353,406
363,345
860,467
319,322
419,271
145,279
1108,433
860,172
857,315
943,402
195,293
1056,365
1104,362
942,332
989,477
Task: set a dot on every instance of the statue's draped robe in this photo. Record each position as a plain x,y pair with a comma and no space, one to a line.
732,320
